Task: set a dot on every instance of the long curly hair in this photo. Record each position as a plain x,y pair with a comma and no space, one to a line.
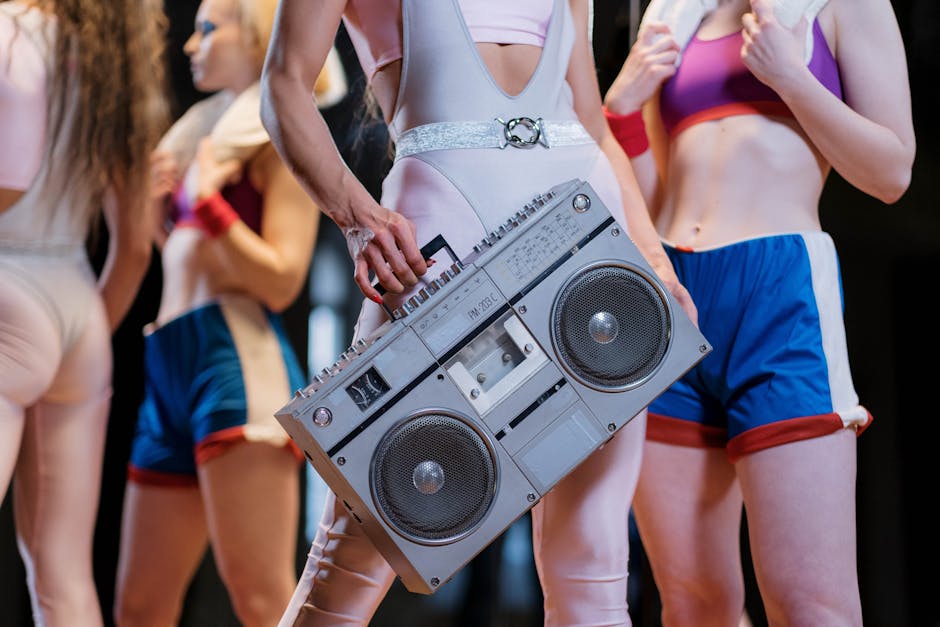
107,98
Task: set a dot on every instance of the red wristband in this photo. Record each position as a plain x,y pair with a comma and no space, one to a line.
630,131
215,215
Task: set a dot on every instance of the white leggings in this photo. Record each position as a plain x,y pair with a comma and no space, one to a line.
580,537
54,401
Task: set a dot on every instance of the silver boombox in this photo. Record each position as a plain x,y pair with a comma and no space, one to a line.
492,383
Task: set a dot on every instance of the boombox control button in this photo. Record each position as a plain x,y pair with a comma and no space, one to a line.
581,203
399,313
322,416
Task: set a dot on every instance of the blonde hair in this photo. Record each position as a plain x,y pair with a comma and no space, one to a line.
257,18
257,21
107,104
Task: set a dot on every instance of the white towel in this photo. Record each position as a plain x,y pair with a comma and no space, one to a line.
234,122
684,16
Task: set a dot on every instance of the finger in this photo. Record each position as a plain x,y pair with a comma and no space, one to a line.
375,259
652,30
667,58
749,23
685,301
361,277
386,242
663,43
398,266
762,10
406,243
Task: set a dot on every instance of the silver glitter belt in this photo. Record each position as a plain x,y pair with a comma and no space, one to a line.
41,248
519,132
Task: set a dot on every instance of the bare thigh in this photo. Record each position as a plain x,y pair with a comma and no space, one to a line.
800,501
30,351
251,493
163,540
688,510
58,476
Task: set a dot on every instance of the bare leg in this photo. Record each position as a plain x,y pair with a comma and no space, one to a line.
57,482
581,538
163,540
688,510
800,500
30,351
251,494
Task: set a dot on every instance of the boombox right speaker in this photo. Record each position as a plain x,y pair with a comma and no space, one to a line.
492,383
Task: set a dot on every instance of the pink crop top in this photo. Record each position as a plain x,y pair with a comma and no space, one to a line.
712,82
374,26
22,95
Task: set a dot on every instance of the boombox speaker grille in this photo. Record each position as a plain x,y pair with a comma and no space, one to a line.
610,326
433,478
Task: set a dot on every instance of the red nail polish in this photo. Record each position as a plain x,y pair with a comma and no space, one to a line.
376,299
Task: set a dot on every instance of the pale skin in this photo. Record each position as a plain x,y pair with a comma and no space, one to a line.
53,413
306,31
250,518
129,249
742,177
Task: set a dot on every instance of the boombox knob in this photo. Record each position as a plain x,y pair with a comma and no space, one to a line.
581,203
322,417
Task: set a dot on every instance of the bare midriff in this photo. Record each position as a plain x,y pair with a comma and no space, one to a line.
738,178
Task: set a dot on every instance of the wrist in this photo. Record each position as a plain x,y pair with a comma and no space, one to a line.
629,130
215,215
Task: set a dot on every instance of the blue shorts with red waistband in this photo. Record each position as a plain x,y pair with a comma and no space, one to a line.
215,376
771,307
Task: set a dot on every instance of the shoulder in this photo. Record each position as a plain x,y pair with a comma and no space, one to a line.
263,166
24,31
861,16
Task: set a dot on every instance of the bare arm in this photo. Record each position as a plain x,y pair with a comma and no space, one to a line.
380,240
651,61
868,139
587,103
272,265
129,252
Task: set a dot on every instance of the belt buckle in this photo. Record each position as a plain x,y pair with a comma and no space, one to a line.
534,127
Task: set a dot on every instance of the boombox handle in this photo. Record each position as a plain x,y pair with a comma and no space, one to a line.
427,251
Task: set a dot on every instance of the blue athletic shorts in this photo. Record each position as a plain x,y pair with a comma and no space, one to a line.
772,309
214,377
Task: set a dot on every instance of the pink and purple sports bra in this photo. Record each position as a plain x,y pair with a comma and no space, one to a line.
374,26
712,83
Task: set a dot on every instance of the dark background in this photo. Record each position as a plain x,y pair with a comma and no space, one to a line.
890,256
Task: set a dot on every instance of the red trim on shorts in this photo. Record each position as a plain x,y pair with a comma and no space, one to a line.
219,442
157,478
769,108
786,431
661,428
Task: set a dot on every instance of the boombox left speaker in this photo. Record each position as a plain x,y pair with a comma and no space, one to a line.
492,383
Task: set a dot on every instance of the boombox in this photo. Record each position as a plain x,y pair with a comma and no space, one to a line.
492,382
